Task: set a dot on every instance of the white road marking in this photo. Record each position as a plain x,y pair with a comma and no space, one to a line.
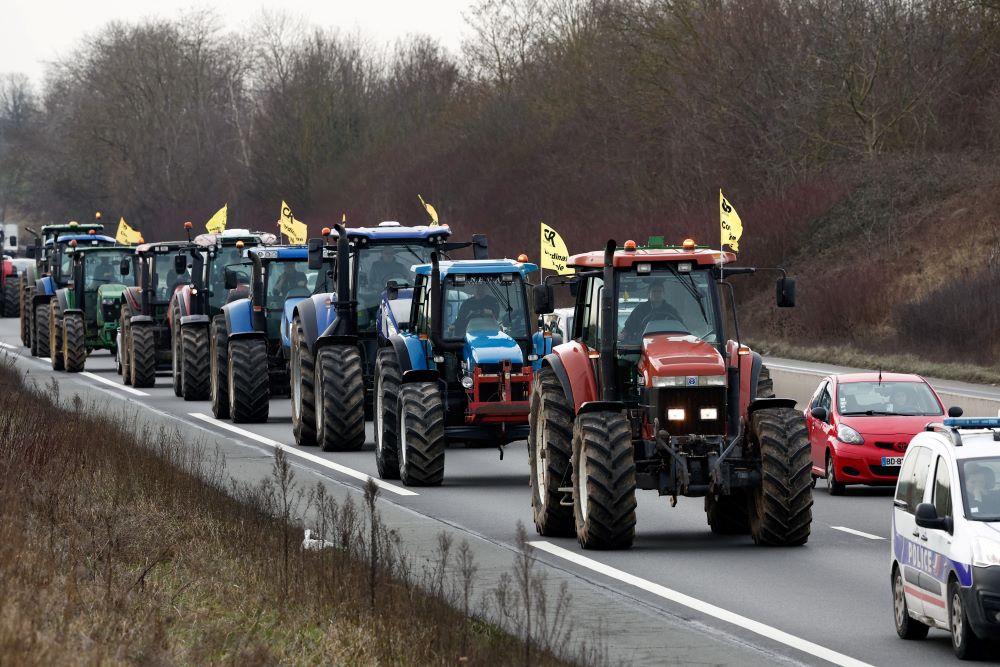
130,390
703,607
857,532
8,346
351,472
47,360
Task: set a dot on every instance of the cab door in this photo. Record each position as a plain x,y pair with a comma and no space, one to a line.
934,580
906,542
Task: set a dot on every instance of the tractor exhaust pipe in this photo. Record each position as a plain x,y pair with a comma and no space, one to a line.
345,313
609,334
435,297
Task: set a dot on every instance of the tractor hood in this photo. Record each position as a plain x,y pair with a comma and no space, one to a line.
110,291
679,355
491,347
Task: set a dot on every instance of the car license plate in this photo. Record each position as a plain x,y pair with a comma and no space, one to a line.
892,461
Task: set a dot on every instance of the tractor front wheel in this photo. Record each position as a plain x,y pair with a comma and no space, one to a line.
176,352
219,365
74,337
125,348
11,296
142,360
421,434
340,416
249,384
195,364
26,317
603,481
550,448
302,367
781,508
55,335
40,342
386,417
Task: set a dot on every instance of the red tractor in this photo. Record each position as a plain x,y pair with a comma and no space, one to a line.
648,393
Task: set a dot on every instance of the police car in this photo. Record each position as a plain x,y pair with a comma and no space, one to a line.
946,535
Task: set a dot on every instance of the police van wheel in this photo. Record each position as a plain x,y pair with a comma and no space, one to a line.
906,627
964,641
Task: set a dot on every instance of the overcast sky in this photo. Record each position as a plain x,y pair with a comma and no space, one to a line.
35,32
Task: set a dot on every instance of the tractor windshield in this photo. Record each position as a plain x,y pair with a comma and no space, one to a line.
164,278
666,301
102,268
378,265
225,256
489,303
286,279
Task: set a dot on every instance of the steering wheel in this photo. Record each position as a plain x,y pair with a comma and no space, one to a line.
664,312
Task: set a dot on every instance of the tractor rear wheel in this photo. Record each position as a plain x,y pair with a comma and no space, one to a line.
386,417
550,448
781,507
603,481
142,360
74,350
11,296
55,335
195,364
25,316
40,347
125,348
219,365
728,515
765,385
249,384
421,434
340,413
176,351
302,367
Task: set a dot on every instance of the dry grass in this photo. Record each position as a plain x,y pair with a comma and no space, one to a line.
120,546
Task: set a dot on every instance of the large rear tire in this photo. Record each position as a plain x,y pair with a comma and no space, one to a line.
74,351
421,434
302,367
176,351
249,384
603,481
142,361
550,450
386,417
728,515
26,317
195,364
11,297
40,341
781,511
340,400
219,367
125,348
765,385
55,335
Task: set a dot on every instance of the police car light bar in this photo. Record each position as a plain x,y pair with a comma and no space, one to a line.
972,422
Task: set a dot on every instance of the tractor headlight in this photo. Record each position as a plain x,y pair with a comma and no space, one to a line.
689,381
985,552
709,414
467,382
669,381
847,434
675,414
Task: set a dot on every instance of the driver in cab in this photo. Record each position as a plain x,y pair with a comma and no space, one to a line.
290,279
654,308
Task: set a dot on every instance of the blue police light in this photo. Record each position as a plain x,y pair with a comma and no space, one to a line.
972,422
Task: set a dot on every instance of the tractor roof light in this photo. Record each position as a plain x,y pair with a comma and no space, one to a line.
630,246
743,351
325,231
97,215
506,277
522,258
643,268
684,267
239,245
74,223
72,244
688,244
92,232
188,225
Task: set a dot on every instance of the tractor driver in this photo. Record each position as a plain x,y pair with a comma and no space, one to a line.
481,304
385,268
654,308
102,271
290,279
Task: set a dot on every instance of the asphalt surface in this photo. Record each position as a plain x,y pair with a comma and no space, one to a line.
680,596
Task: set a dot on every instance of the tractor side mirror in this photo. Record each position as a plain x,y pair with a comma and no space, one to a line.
124,267
955,411
231,280
316,254
821,414
480,246
180,264
785,292
574,287
927,517
392,289
543,299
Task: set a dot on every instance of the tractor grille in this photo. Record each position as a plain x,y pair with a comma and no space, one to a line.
692,400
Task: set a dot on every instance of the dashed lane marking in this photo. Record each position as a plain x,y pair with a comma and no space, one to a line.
8,346
351,472
756,627
130,390
857,532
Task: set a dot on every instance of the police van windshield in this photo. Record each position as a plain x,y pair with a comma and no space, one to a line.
487,303
102,268
665,301
979,488
379,264
288,278
868,399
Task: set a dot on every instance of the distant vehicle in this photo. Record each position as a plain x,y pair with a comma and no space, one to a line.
860,425
9,236
560,322
945,554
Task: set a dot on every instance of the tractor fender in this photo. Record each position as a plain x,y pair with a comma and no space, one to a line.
63,298
45,285
419,376
600,406
575,359
67,311
555,363
411,352
192,320
769,403
286,319
749,366
393,313
132,297
183,299
316,314
239,317
243,335
140,319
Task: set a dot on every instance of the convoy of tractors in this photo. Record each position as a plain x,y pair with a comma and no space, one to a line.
399,325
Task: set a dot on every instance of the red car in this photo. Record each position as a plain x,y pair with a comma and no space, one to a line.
861,423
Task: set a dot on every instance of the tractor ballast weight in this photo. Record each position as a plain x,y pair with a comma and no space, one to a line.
669,405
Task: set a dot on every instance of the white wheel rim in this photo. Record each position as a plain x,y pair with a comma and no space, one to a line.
956,618
296,383
231,382
379,419
899,600
319,391
581,483
540,454
402,436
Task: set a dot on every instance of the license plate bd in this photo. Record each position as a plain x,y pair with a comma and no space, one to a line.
892,461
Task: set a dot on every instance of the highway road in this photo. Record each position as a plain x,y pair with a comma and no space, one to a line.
680,596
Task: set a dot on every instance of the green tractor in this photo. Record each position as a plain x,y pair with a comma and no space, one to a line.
83,316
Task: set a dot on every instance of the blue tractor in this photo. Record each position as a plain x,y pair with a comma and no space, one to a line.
250,339
336,337
460,369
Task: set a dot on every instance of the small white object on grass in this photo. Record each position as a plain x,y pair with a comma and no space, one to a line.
315,545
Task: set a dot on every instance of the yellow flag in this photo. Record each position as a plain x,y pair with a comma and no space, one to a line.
732,226
554,253
126,235
431,211
217,223
295,231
